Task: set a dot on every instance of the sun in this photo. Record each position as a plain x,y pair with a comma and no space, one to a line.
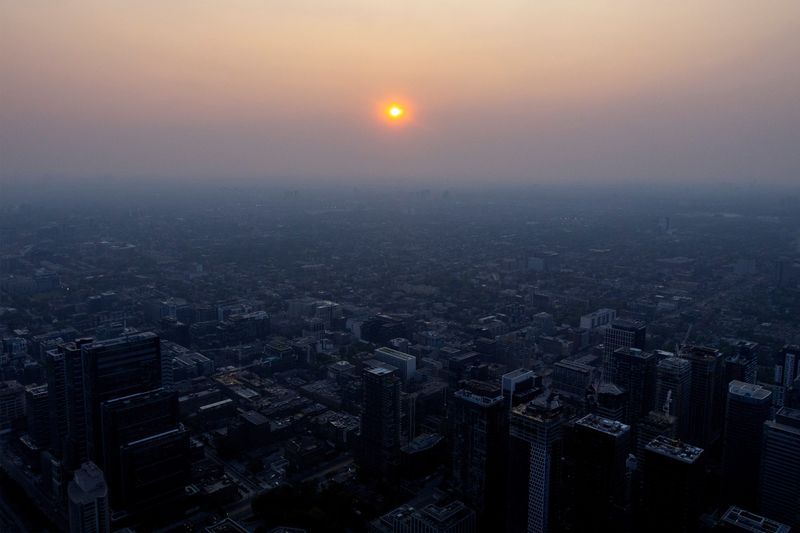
395,111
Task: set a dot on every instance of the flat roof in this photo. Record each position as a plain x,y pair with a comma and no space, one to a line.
395,353
686,453
751,522
748,390
379,370
605,425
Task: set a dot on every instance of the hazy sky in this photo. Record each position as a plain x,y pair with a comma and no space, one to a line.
505,91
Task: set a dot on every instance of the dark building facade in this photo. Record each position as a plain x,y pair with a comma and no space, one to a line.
380,421
748,407
601,449
479,444
706,397
673,486
779,486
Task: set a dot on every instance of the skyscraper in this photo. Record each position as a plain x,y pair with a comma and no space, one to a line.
655,424
610,402
748,407
88,501
536,430
673,478
479,436
673,389
130,419
601,449
779,484
635,371
37,410
790,356
622,333
707,393
116,368
154,470
380,420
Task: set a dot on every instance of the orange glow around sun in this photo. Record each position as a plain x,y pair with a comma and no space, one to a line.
394,112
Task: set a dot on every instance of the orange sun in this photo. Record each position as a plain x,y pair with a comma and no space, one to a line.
395,112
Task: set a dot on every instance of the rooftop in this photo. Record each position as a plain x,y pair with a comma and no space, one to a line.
748,390
751,522
379,371
609,427
675,449
391,352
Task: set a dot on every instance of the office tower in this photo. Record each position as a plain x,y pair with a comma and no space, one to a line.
37,410
743,364
611,402
129,419
706,395
75,450
635,371
88,501
380,329
598,319
737,520
520,385
621,334
380,420
572,377
673,479
748,407
790,357
673,389
406,364
55,370
536,429
479,437
655,424
12,404
154,470
779,484
116,368
600,451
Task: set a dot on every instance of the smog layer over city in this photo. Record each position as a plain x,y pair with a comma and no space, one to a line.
418,267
